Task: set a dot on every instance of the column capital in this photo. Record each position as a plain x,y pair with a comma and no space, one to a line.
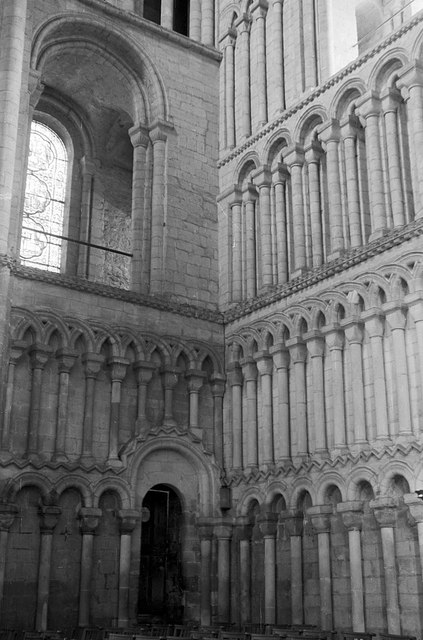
268,523
415,506
66,359
329,131
385,510
128,519
244,528
374,322
228,39
294,522
390,99
39,355
139,136
234,374
243,23
160,130
144,370
335,337
297,349
353,331
118,367
259,9
8,512
414,302
249,192
368,105
352,514
17,349
88,166
262,177
35,87
169,377
315,343
395,314
195,379
89,517
280,354
410,76
294,155
218,381
223,530
264,362
249,369
280,174
313,153
49,517
205,528
92,363
320,516
350,127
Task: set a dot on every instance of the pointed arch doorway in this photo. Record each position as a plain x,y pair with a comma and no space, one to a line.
160,582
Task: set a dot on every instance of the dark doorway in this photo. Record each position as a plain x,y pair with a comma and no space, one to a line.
160,585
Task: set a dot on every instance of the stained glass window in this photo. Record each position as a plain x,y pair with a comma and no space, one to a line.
44,205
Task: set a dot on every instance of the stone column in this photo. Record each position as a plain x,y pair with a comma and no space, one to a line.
281,434
385,511
249,372
139,270
87,193
258,11
414,302
295,160
329,134
195,21
218,392
277,63
205,531
316,348
335,343
390,100
118,367
312,157
415,506
374,320
298,353
207,22
354,335
88,522
144,372
127,520
66,360
49,517
294,524
39,356
352,517
395,316
262,179
16,351
279,180
320,517
265,368
243,27
235,382
169,381
223,533
7,516
411,84
166,18
250,198
227,43
268,527
244,531
195,382
349,133
236,209
369,108
92,363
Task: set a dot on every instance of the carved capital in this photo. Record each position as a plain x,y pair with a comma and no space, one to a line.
128,519
39,355
249,369
369,105
268,523
354,332
218,381
281,174
7,515
415,506
264,363
250,193
259,9
297,350
92,364
350,127
170,378
223,530
315,344
139,136
144,371
118,367
17,349
234,374
89,517
49,517
329,131
374,320
280,355
395,315
320,517
262,177
205,528
294,156
294,522
335,338
65,359
160,130
385,510
352,514
195,380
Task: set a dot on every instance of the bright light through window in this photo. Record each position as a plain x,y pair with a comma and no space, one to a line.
42,227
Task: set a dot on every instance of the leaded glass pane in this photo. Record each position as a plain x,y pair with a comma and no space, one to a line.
44,199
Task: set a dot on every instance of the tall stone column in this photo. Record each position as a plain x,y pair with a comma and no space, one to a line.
385,511
262,179
349,135
316,348
295,161
17,349
218,392
352,516
369,108
250,198
227,43
320,518
89,518
411,84
354,335
395,316
49,517
279,180
92,363
298,353
66,360
235,383
294,522
144,372
205,531
236,209
139,269
7,515
265,368
375,327
335,342
87,193
243,26
249,372
415,506
258,11
223,533
244,533
166,17
282,441
195,382
207,22
268,527
390,100
118,367
39,356
312,157
169,381
329,134
127,520
414,302
277,64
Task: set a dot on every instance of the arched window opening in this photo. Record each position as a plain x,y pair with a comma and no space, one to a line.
152,10
45,199
181,16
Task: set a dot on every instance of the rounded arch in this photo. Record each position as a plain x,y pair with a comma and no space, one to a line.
327,484
300,488
80,484
345,97
308,123
28,479
275,144
251,496
396,478
384,72
359,476
115,485
247,164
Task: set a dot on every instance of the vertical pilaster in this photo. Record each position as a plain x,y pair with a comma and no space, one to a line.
169,381
144,371
218,391
277,61
415,506
118,367
316,348
335,342
282,442
195,382
227,44
295,160
235,383
139,269
243,26
66,360
298,353
7,515
92,363
375,327
127,521
349,135
244,532
312,157
207,22
279,180
258,81
329,134
39,356
223,533
88,522
236,208
262,179
195,21
390,100
265,368
87,165
268,526
294,523
16,351
250,198
49,517
249,371
354,335
320,518
205,530
352,516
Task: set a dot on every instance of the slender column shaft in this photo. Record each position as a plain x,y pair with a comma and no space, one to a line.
295,160
309,39
282,432
87,193
277,62
268,523
249,370
195,21
258,11
349,135
352,517
158,211
66,362
195,382
235,382
92,364
243,26
279,181
354,335
128,519
16,352
223,534
330,135
294,525
245,579
118,367
39,357
207,22
218,390
140,140
396,319
390,102
170,380
229,57
320,517
265,369
250,243
315,345
144,371
374,326
313,161
89,522
298,357
236,252
49,517
335,342
262,179
7,516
